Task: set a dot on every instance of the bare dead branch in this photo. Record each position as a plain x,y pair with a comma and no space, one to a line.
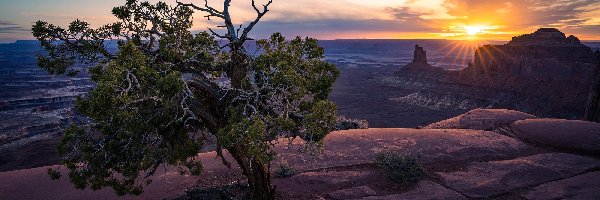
210,10
218,35
259,14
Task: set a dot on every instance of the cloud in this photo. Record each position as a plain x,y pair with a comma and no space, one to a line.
363,18
337,28
9,27
7,23
405,14
507,17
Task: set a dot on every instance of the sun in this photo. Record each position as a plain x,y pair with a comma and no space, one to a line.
473,30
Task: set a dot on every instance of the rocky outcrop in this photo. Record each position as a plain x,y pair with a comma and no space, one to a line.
488,179
592,110
462,164
584,186
544,73
419,60
420,55
425,190
547,37
546,54
559,133
482,119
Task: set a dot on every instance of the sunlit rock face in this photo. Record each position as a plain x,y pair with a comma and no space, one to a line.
545,54
547,37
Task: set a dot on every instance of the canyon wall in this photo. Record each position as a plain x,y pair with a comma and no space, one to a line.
545,54
544,73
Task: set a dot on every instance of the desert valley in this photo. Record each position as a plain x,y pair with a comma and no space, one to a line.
412,118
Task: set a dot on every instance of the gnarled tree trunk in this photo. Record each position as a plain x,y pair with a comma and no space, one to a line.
258,174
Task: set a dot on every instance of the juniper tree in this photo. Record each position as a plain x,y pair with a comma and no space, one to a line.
166,90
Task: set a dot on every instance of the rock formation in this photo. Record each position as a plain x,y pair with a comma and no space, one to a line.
420,55
544,73
545,54
592,110
34,106
419,60
550,72
547,37
519,160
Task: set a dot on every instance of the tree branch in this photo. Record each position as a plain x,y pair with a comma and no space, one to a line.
260,14
210,10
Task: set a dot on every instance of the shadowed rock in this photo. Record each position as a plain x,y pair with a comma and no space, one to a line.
592,110
546,37
419,60
585,186
488,179
420,55
352,193
425,190
567,134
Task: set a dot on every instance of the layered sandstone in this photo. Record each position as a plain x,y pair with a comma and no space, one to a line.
544,73
545,54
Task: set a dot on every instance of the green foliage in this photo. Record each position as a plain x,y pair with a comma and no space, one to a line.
54,174
284,170
343,123
132,108
400,168
166,89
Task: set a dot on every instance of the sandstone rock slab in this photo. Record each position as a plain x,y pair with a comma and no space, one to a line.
482,119
485,179
352,193
585,186
425,190
331,178
569,134
360,146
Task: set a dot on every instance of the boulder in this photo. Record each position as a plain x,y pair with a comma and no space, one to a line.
425,190
482,119
487,179
567,134
585,186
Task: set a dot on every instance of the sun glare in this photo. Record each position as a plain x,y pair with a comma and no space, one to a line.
473,30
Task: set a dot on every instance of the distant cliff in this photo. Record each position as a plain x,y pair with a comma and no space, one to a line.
544,73
545,54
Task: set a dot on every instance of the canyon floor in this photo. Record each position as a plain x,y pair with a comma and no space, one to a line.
483,154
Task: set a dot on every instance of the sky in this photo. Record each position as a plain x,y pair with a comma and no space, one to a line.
345,19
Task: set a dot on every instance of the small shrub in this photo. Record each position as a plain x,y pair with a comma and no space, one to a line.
343,123
284,171
400,168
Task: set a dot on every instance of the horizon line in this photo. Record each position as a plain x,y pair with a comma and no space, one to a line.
339,39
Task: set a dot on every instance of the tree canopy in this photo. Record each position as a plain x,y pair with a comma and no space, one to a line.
167,90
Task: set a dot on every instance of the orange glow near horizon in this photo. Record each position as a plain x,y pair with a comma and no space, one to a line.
473,20
461,50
